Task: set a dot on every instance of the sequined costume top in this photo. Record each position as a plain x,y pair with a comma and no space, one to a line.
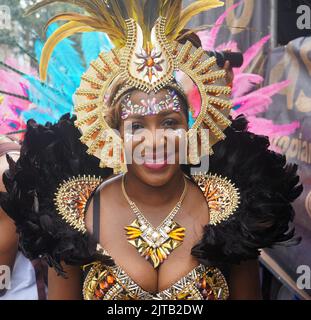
110,281
113,283
48,187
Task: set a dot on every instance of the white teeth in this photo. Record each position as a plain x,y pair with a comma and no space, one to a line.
169,158
151,161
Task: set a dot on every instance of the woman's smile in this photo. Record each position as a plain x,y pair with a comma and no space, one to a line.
156,165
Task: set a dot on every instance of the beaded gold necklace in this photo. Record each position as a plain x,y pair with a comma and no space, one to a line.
155,244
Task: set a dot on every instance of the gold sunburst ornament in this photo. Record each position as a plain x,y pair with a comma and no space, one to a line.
155,244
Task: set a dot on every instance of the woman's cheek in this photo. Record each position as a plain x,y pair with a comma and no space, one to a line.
180,145
134,150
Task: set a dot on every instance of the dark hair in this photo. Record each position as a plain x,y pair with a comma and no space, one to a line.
187,35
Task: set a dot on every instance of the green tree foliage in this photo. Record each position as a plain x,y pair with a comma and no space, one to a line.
25,29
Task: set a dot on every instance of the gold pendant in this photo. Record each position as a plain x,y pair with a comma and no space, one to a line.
155,244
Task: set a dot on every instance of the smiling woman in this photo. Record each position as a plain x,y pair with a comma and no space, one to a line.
98,195
152,147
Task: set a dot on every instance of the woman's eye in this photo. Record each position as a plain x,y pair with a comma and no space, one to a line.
132,128
169,123
136,126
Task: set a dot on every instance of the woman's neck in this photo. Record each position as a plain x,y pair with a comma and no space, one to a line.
149,196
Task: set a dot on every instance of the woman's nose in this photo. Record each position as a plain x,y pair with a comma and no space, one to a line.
154,139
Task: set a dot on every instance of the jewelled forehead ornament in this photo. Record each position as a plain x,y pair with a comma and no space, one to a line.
146,57
150,106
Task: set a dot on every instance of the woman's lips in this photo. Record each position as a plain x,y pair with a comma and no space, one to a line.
152,162
155,165
159,160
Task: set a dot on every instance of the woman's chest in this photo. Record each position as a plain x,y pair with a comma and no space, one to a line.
154,264
142,272
113,283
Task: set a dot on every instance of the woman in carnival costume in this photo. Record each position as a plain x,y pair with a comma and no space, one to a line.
95,197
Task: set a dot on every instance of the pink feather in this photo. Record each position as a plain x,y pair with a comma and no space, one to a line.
23,67
11,107
268,128
243,83
251,53
229,46
274,88
252,104
208,38
194,99
259,100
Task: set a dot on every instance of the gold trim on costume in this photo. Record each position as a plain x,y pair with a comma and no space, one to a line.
222,197
71,199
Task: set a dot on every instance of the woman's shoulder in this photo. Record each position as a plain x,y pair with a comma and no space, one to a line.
111,186
108,191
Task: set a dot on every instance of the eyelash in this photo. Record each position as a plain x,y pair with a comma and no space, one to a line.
136,126
173,122
168,123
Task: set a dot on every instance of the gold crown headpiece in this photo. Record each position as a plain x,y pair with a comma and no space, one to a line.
145,34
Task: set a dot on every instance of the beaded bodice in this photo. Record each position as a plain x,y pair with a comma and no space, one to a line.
105,282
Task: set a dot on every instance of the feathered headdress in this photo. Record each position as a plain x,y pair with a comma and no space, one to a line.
109,16
145,34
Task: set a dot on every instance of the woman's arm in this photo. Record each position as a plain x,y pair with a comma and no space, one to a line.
8,236
8,243
65,289
8,240
244,282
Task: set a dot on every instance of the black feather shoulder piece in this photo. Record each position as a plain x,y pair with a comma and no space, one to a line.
50,154
267,187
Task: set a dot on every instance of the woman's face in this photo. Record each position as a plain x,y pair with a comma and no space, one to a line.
154,143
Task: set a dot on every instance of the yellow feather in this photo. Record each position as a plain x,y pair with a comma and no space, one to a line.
192,10
100,17
61,33
135,10
171,10
87,5
91,22
118,14
111,19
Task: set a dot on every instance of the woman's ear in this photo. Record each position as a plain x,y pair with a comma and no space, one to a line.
230,74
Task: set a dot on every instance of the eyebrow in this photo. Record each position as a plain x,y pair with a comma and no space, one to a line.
162,113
